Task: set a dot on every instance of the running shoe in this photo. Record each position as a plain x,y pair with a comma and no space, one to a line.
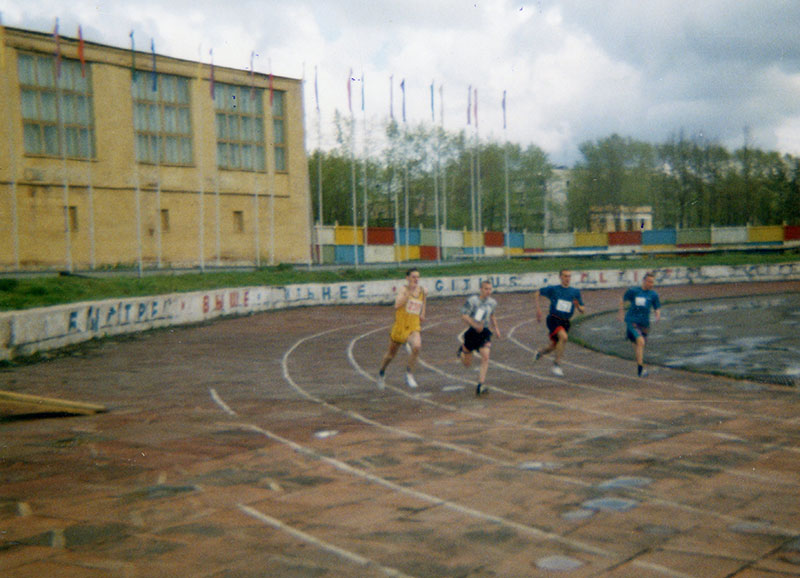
381,381
459,352
644,373
536,356
557,370
481,389
410,381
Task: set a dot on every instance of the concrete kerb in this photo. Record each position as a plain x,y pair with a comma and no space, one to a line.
38,330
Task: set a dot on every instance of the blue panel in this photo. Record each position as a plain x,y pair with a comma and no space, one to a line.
414,236
660,237
345,254
516,240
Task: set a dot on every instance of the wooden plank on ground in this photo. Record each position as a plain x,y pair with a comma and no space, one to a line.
24,404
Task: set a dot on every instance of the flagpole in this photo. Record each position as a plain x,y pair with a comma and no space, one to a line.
353,167
364,121
436,183
134,80
319,164
443,170
158,163
508,217
63,146
200,173
254,176
217,225
405,169
471,174
271,173
11,151
478,170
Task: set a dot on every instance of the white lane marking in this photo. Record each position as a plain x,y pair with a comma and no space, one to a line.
218,400
322,544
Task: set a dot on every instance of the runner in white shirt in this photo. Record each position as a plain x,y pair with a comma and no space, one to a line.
478,314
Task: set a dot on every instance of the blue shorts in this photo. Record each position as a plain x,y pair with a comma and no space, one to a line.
633,331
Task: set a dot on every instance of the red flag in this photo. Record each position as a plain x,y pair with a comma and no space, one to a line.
58,50
80,53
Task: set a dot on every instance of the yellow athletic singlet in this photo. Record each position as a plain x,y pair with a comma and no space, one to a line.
406,318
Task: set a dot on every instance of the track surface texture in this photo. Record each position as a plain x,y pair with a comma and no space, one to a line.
261,446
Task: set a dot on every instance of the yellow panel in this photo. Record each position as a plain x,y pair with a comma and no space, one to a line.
401,255
473,239
346,235
591,239
765,234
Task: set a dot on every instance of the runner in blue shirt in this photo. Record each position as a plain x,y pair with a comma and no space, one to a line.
564,300
637,318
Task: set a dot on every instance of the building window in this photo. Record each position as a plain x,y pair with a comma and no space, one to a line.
72,216
164,220
238,221
162,120
279,129
240,127
56,107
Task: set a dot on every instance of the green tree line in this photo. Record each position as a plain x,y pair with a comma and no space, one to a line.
418,175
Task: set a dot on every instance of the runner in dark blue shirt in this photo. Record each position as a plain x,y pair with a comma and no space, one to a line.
564,300
637,318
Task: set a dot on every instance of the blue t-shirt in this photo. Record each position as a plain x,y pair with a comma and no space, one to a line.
642,301
562,300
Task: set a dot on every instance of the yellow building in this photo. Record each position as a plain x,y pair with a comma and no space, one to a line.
115,157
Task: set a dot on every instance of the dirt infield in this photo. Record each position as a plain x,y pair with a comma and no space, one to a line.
261,446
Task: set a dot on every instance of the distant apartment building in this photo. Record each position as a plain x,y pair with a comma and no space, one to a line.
616,218
113,157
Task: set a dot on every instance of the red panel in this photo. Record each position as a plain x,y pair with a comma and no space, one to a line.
427,253
380,236
791,232
493,239
625,238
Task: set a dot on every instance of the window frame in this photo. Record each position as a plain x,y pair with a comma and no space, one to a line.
162,120
238,110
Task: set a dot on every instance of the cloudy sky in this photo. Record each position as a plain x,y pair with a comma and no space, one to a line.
574,70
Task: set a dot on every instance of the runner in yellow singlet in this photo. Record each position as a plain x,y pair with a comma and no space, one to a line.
409,307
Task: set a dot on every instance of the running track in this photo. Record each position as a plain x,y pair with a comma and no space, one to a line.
261,446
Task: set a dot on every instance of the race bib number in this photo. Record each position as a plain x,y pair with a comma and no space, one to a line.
640,302
414,306
564,306
480,313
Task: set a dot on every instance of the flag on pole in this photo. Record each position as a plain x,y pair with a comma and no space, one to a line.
433,114
57,38
350,91
81,56
441,104
211,74
133,59
504,110
153,51
403,90
391,96
316,88
469,104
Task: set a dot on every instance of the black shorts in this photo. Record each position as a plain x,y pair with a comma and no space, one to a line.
553,323
474,340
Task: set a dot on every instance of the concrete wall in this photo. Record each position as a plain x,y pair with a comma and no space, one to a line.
37,330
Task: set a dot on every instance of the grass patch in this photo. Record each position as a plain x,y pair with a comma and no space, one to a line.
41,291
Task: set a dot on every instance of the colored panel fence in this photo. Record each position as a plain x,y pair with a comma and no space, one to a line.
346,254
660,237
345,235
428,253
406,253
516,240
693,237
379,253
728,235
380,236
428,237
533,241
453,239
791,233
617,238
493,239
326,235
559,240
586,240
473,239
413,236
771,234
